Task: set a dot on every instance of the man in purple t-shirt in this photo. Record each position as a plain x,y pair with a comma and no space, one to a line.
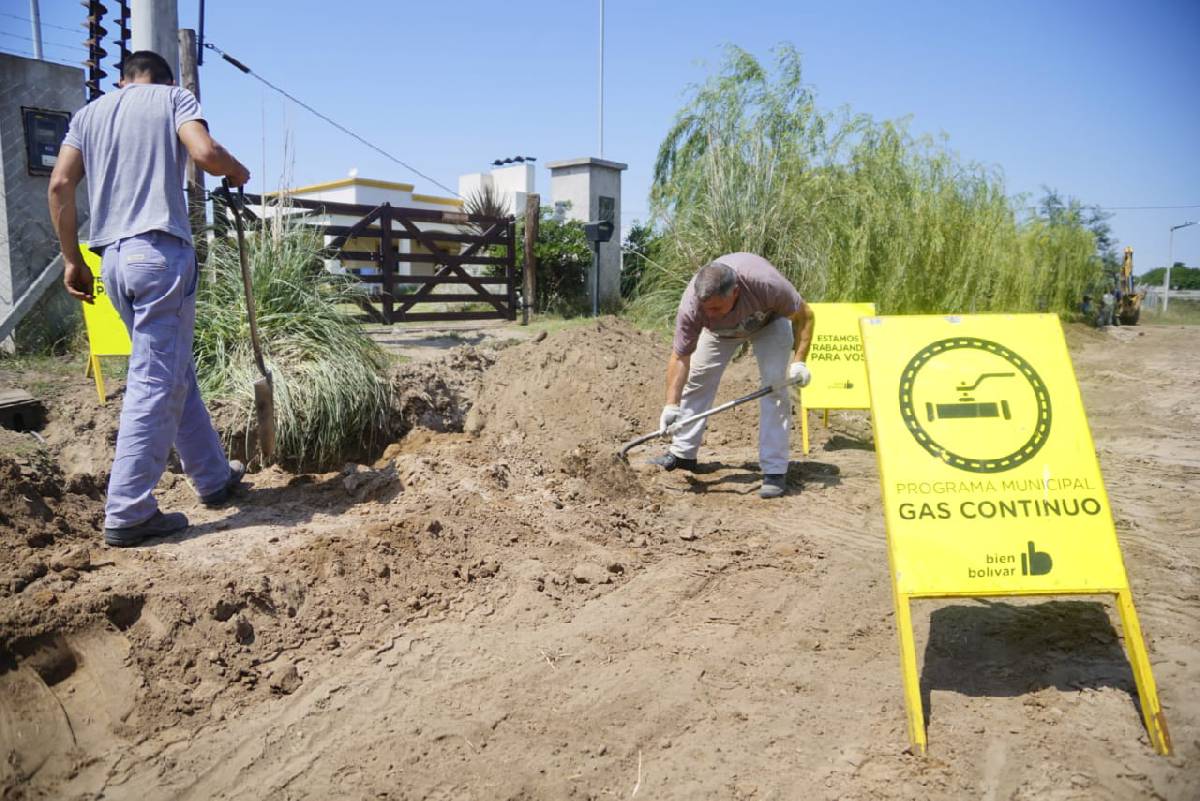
738,298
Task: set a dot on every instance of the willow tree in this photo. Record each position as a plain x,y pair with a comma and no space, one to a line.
847,207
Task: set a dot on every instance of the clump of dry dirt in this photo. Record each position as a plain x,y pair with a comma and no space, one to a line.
438,395
43,517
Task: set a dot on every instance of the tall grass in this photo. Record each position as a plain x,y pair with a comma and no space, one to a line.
331,384
848,208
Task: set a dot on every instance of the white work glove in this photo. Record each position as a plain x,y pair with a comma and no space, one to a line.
798,372
671,414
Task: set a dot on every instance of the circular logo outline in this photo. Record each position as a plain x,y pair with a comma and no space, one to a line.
1037,439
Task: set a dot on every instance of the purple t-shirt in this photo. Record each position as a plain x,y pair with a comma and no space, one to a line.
764,295
134,160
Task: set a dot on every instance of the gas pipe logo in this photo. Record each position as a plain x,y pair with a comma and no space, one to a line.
975,404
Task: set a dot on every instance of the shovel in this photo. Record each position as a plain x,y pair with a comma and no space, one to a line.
674,427
264,391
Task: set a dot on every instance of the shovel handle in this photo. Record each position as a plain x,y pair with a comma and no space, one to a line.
671,429
247,284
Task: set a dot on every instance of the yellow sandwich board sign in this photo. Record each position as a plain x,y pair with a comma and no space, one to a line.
839,373
991,485
107,335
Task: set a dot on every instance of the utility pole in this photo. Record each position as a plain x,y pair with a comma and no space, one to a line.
35,22
155,27
601,124
1170,261
189,78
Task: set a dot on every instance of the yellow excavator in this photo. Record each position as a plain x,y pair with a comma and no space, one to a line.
1130,307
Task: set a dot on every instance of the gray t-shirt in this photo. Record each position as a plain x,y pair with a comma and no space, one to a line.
134,161
764,295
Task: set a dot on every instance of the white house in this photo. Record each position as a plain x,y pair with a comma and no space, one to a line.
356,190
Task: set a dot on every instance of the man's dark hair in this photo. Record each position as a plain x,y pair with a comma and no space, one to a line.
147,61
715,280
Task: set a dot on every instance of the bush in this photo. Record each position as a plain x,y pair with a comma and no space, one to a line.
564,257
849,209
332,390
641,247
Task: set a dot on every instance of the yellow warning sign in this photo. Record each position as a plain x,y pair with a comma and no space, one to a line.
835,357
107,335
990,480
839,373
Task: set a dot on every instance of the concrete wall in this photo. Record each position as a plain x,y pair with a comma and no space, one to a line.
27,239
584,183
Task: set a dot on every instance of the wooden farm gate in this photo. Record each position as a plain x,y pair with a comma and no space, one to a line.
450,241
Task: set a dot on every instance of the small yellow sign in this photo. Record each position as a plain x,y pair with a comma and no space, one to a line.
990,480
107,335
839,372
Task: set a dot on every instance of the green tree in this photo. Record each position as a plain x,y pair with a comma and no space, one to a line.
641,248
1057,210
563,257
1182,277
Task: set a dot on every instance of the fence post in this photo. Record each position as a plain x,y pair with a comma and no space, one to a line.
533,213
387,260
510,269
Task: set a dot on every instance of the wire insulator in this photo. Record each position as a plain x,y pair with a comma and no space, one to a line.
96,51
123,36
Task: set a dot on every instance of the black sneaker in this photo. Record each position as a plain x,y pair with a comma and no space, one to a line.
669,461
774,485
237,471
159,525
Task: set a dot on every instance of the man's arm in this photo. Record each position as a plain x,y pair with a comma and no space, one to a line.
68,172
802,332
677,373
209,155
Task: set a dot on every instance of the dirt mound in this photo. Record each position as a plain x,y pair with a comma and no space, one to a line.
82,433
438,395
570,400
42,516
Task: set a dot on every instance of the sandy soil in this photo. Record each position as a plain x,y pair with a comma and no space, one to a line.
497,609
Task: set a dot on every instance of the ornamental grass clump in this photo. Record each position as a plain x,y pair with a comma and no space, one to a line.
331,383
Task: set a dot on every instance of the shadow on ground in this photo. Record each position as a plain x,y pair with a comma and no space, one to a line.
1001,650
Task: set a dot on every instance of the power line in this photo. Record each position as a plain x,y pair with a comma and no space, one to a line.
242,67
44,24
29,54
28,38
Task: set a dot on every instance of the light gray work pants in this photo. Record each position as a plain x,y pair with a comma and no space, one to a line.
151,279
772,346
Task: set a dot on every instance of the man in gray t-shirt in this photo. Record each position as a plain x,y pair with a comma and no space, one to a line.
133,145
738,298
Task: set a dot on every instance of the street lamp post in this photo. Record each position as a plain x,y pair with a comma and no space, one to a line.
1170,261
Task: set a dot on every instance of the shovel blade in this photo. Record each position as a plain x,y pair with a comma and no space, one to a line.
264,414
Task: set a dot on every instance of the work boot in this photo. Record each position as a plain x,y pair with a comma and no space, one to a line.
159,525
237,472
774,485
669,461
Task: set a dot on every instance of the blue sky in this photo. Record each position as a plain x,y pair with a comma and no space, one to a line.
1100,100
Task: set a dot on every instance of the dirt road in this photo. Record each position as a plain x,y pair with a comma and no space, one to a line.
498,610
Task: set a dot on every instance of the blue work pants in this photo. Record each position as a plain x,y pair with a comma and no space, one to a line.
151,279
